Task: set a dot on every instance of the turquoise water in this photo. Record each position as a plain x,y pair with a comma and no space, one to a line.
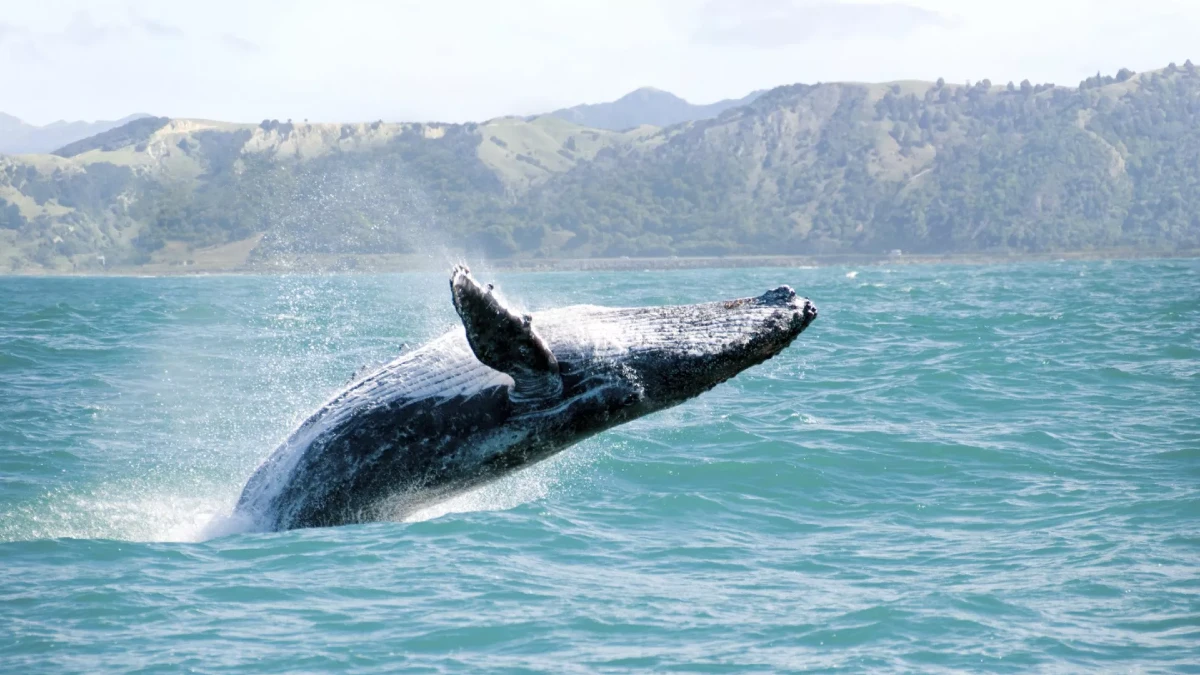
990,468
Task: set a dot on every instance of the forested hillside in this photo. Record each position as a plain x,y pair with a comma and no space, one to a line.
915,166
803,169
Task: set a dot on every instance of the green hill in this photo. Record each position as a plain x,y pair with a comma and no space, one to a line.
925,167
803,169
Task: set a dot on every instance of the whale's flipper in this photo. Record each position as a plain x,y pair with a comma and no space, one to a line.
505,340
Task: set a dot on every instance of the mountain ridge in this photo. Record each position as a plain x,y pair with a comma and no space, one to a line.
18,137
646,105
836,168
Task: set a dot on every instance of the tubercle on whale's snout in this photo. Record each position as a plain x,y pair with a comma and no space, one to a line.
795,319
785,296
805,312
782,295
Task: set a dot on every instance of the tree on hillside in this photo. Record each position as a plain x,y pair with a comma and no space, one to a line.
10,216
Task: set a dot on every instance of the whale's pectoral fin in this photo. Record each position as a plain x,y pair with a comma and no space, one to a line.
504,339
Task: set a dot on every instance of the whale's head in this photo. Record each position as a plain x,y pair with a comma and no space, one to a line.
619,363
673,353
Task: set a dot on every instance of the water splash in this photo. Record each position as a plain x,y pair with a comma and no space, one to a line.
530,484
218,412
122,512
219,384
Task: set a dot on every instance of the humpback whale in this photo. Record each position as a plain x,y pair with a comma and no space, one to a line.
504,391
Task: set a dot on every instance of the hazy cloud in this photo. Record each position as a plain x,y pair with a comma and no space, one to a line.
159,29
778,23
83,30
17,45
239,44
7,31
322,60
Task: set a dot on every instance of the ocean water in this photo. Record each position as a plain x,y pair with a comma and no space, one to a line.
956,468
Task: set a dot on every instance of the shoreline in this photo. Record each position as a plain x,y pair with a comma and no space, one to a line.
397,263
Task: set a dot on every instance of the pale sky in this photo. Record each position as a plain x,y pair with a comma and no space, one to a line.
460,60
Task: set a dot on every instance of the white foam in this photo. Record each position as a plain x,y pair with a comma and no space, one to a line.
521,488
527,485
134,517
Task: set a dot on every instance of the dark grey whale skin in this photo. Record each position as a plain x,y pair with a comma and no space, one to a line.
506,391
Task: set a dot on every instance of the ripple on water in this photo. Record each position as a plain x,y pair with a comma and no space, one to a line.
955,469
